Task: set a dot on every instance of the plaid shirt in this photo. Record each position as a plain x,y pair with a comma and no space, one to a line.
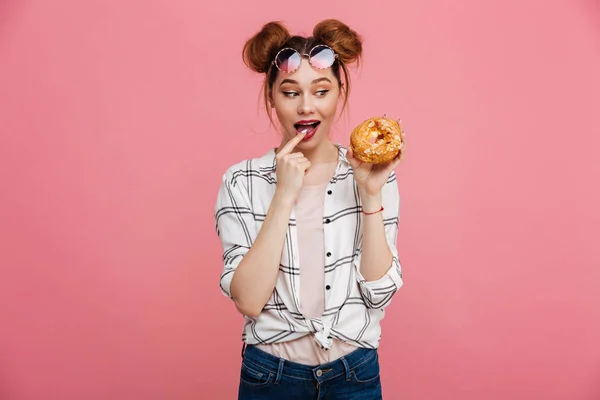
353,306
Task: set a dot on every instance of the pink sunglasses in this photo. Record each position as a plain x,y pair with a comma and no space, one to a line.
320,57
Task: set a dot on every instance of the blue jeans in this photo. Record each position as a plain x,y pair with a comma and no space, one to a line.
352,377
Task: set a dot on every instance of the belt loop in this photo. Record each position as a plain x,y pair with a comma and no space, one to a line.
243,349
279,371
346,367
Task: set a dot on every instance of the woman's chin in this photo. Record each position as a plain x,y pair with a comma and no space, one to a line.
310,143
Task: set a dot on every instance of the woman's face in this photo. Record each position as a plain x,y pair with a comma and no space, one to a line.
306,100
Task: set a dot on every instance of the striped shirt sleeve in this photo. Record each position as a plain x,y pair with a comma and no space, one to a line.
379,293
235,226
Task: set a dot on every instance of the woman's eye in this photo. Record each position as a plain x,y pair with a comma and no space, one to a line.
290,94
322,92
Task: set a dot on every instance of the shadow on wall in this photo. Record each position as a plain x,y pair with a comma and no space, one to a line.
4,389
595,391
9,11
591,8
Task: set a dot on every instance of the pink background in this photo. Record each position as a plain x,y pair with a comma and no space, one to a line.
117,121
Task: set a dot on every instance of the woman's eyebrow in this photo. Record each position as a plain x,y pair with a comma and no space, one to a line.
318,80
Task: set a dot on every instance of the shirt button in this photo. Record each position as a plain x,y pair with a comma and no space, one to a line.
328,254
329,192
327,287
327,221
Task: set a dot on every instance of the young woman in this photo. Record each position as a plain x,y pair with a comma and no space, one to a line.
308,231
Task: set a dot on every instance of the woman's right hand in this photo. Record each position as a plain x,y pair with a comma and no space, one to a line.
291,168
256,275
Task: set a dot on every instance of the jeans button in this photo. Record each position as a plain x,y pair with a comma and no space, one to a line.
319,373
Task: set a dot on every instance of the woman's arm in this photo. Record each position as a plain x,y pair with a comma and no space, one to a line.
379,272
255,277
378,268
376,255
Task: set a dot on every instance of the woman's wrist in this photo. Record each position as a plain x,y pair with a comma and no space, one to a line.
370,202
283,199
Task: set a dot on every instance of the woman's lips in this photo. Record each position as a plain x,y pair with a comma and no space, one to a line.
310,132
307,127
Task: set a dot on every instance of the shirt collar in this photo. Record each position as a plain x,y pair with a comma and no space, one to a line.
266,163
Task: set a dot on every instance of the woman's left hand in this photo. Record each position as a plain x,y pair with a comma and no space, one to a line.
370,178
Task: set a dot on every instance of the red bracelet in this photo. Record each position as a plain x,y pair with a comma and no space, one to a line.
374,212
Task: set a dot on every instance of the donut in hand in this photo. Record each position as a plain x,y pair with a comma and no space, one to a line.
377,140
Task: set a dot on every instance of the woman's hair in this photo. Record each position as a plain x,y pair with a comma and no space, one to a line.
260,50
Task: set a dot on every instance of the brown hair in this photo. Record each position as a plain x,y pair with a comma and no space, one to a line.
260,50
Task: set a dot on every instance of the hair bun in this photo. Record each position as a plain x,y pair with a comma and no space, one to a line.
341,38
258,52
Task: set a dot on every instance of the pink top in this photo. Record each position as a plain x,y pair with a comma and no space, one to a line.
309,222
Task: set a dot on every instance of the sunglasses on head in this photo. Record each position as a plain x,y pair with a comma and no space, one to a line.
320,57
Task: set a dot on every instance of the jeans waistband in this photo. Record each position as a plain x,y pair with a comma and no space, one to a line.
278,366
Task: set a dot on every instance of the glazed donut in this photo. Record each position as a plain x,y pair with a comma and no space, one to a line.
377,140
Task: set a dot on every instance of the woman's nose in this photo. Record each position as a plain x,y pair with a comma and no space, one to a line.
306,105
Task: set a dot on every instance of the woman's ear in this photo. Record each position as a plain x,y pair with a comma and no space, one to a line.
270,97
